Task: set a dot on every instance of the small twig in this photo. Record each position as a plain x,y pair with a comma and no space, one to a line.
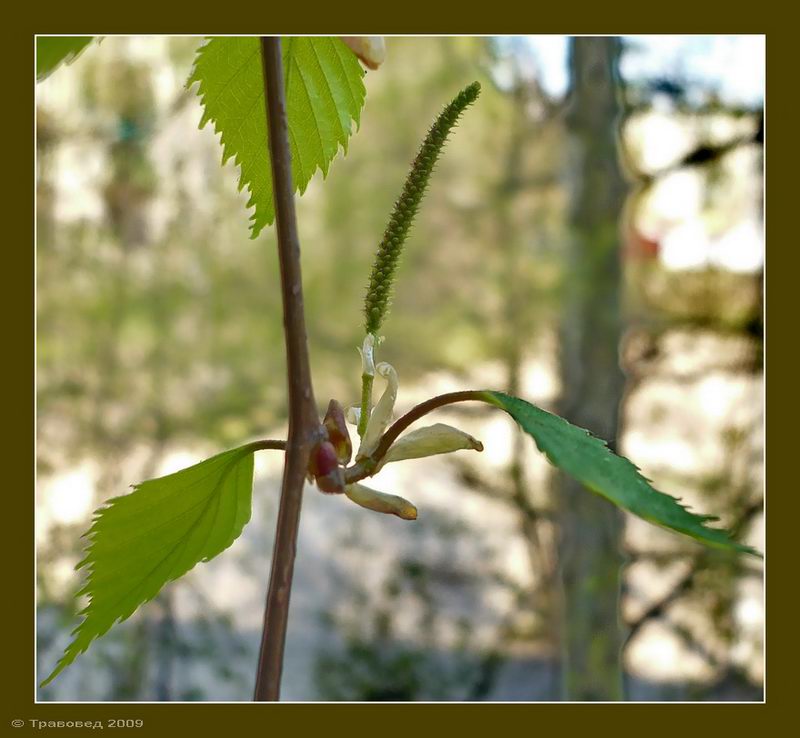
304,425
268,444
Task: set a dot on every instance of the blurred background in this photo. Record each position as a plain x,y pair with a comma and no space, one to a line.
592,241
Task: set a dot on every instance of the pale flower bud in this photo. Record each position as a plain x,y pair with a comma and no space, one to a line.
380,502
429,441
367,352
381,415
353,414
370,49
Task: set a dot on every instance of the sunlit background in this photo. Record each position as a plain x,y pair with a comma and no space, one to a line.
159,342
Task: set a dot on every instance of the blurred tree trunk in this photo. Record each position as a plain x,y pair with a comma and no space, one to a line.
589,551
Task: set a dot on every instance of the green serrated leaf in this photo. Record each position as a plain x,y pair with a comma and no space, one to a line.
140,541
324,94
52,51
588,459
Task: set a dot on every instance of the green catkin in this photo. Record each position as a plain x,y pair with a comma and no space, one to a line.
376,303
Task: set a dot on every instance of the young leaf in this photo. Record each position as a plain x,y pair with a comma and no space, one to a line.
140,541
51,51
588,459
324,94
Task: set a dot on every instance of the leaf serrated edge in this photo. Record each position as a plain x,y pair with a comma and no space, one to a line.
492,398
259,220
73,650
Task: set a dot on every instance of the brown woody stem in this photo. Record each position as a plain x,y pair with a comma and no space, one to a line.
304,426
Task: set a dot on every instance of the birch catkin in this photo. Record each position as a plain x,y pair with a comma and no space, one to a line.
376,303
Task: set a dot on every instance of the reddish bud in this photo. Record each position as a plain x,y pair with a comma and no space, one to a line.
323,465
333,482
334,423
323,459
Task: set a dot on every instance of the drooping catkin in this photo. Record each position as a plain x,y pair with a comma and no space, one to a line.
376,303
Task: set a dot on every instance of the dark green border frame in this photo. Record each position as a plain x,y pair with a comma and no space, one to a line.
263,719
